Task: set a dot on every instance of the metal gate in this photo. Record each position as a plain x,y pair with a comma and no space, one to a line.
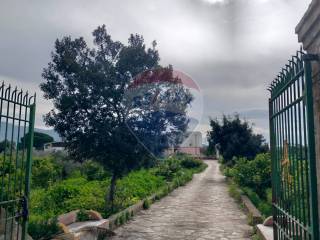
294,183
17,113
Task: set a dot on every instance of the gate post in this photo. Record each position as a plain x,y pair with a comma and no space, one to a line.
309,35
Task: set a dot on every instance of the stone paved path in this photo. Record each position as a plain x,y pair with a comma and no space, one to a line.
200,210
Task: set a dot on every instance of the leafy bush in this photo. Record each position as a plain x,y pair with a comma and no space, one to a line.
45,171
82,216
40,227
68,165
255,174
264,207
168,168
93,170
190,163
136,186
146,204
68,195
234,192
269,195
254,178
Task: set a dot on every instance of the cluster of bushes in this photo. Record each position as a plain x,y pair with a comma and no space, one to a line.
86,185
254,179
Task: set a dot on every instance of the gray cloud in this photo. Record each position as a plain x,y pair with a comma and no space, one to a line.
231,48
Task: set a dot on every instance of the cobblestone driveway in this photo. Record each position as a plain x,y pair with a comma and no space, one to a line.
201,210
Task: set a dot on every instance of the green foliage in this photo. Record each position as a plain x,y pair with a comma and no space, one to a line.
264,207
68,195
45,171
269,195
255,174
190,162
93,170
235,138
254,179
68,165
122,219
136,186
146,204
127,214
234,192
82,216
40,227
168,168
6,145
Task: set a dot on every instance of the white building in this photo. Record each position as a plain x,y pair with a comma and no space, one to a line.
191,145
54,147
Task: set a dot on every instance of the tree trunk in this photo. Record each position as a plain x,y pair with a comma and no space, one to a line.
112,191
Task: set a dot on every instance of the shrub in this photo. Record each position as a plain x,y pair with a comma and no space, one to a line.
269,195
146,204
93,170
127,214
82,216
67,164
136,186
45,171
255,174
255,199
234,192
168,168
68,195
265,208
122,219
190,162
41,227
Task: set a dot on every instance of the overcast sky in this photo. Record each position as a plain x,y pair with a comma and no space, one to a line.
231,48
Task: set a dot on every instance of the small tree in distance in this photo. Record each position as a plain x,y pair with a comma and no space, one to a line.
235,138
39,139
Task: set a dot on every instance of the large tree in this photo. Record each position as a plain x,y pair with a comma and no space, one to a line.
235,138
109,104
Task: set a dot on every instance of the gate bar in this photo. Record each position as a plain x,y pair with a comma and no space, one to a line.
311,148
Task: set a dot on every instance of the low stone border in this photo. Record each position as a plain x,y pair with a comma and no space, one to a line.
264,232
254,214
132,210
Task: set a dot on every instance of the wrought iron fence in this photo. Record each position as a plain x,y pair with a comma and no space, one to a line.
295,209
17,114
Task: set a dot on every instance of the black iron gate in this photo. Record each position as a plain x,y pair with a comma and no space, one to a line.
17,113
295,209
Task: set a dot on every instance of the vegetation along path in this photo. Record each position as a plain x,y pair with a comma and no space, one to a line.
201,210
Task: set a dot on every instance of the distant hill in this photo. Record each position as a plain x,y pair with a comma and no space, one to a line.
50,132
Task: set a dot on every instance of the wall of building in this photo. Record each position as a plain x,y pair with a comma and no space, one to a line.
308,31
194,139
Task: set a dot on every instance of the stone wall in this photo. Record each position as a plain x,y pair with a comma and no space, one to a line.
308,31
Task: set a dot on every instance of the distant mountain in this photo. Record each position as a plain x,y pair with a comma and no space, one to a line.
15,132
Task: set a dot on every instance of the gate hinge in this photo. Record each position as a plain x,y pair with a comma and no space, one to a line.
310,57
